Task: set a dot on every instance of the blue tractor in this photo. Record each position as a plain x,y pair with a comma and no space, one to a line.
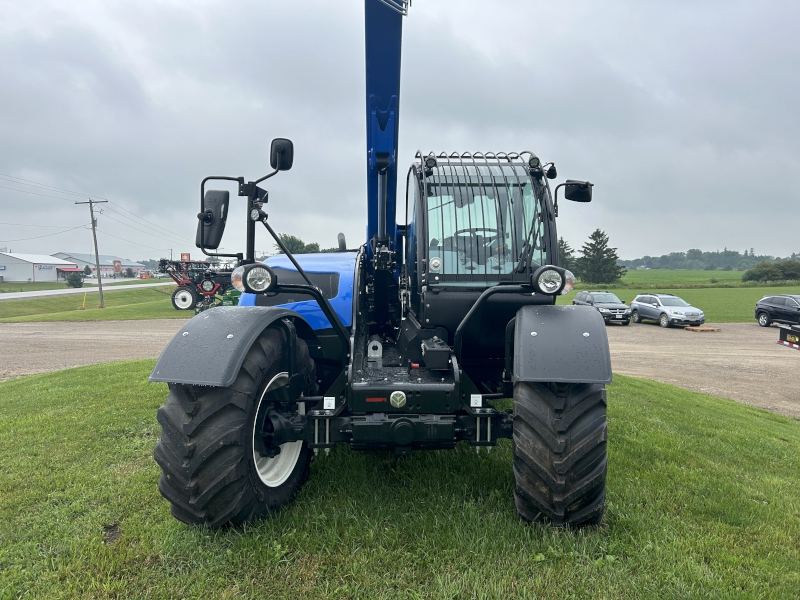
405,343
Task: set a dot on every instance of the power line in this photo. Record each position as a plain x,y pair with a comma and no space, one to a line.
36,193
132,242
43,236
28,225
169,233
13,179
142,230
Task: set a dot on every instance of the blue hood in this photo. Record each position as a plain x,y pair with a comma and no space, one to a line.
341,263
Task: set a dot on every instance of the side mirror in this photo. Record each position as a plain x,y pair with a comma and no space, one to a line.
281,154
212,220
578,191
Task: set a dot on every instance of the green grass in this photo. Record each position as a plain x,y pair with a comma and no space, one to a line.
720,305
145,303
678,277
703,502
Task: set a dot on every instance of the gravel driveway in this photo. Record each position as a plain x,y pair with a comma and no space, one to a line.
741,362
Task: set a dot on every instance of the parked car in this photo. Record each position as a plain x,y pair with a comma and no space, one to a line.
666,309
612,308
783,308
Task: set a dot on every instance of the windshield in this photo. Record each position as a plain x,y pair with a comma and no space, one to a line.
484,220
610,298
673,302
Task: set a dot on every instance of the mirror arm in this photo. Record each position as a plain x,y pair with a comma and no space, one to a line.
555,204
275,172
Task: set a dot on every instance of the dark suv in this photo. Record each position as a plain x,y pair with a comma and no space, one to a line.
784,308
610,307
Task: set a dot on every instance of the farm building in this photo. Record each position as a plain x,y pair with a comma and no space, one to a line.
16,267
109,264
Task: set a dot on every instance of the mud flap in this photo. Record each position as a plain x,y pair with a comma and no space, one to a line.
562,344
210,348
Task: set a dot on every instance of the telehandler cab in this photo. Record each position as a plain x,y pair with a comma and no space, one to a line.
403,344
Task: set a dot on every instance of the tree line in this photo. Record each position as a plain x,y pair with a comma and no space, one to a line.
727,260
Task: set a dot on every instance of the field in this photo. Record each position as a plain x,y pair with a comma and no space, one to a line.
720,305
145,303
703,501
681,278
60,285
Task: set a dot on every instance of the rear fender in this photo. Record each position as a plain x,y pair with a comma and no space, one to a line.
562,344
210,348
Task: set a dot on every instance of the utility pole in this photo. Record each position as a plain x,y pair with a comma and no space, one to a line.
91,204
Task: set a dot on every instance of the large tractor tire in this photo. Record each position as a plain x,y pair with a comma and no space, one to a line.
560,452
210,473
184,298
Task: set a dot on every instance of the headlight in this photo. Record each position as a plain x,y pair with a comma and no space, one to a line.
256,279
604,310
548,280
207,285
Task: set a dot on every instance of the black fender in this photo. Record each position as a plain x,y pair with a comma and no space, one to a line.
563,344
210,348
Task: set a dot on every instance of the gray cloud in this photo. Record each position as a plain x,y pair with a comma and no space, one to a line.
683,114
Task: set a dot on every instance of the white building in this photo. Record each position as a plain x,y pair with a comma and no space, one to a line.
109,264
16,267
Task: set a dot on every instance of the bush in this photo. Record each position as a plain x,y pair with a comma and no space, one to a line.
74,280
763,271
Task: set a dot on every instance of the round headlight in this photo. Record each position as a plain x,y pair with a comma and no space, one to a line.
207,285
549,281
258,279
236,278
534,162
569,282
436,264
255,214
430,162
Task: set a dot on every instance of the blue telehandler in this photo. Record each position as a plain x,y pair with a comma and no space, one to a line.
408,342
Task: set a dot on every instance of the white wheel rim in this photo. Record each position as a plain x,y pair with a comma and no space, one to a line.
183,299
276,470
763,319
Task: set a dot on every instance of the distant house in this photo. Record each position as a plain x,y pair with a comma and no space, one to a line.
107,263
15,267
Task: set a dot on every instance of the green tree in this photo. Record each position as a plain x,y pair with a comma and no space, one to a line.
566,255
293,243
598,262
296,245
87,270
74,280
790,269
763,271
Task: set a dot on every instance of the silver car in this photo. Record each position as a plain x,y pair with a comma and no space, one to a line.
666,309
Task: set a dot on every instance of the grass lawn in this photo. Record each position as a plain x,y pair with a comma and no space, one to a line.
703,501
720,305
145,303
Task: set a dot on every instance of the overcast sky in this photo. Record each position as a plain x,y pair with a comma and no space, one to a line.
684,114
